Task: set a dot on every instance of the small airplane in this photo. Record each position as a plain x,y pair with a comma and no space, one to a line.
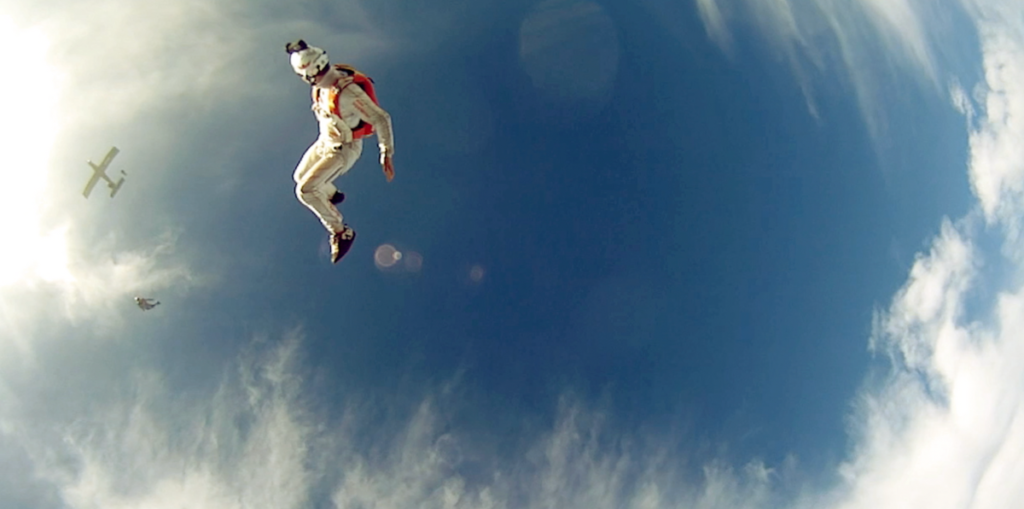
100,173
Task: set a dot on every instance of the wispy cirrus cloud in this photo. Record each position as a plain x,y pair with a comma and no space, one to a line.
258,440
247,444
866,42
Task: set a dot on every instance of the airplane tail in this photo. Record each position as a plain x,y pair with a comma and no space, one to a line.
116,187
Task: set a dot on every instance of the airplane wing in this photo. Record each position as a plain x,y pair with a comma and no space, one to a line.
92,183
109,157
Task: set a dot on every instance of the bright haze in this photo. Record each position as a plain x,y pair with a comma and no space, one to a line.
645,255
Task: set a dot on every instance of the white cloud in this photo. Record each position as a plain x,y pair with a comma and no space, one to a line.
869,39
26,139
997,152
245,446
94,286
944,431
962,102
258,441
931,302
715,23
45,271
127,59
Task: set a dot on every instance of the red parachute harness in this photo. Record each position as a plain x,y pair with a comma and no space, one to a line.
364,129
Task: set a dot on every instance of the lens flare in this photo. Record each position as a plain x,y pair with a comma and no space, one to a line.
476,274
413,262
386,256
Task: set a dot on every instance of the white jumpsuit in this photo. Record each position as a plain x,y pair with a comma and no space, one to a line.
334,152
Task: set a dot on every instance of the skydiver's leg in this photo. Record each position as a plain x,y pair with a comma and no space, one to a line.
333,195
356,149
313,160
352,151
308,159
329,189
313,180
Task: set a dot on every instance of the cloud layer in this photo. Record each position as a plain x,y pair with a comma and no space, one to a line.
997,154
259,441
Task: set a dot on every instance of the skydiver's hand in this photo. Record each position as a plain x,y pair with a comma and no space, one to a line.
389,167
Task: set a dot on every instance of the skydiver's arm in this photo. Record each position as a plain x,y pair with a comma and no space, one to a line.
371,114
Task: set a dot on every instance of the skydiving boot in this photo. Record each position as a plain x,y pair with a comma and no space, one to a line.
341,242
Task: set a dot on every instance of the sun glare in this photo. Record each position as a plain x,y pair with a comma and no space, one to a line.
28,130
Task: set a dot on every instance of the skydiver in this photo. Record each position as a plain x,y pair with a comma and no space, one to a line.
346,115
146,304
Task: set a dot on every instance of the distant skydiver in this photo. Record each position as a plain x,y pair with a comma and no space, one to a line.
146,304
346,114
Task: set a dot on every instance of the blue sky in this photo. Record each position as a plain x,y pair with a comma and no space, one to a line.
713,254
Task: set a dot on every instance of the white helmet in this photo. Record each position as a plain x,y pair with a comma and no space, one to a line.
307,61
